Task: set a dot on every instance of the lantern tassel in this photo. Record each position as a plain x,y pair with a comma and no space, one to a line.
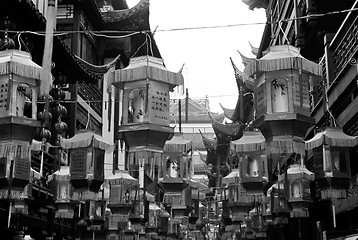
47,55
9,216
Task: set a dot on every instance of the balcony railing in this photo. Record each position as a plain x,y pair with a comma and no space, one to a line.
90,93
344,46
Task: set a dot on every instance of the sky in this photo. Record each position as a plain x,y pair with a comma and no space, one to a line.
206,53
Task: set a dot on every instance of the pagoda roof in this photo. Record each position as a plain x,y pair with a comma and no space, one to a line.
209,143
227,132
132,19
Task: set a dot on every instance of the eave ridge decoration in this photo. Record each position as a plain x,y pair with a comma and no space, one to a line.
19,63
254,50
178,144
210,144
148,67
122,177
86,138
119,15
332,136
256,4
282,57
245,60
250,141
227,132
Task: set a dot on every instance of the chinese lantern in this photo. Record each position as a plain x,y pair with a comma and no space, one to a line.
281,87
18,86
146,84
238,201
299,179
279,205
332,161
63,193
86,151
251,152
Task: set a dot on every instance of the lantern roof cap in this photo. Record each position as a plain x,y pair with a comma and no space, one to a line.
299,169
332,136
250,141
282,57
178,144
148,67
122,177
233,177
19,63
86,138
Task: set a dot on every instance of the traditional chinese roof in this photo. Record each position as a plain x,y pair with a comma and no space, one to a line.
332,136
256,3
254,50
227,132
135,18
245,60
210,144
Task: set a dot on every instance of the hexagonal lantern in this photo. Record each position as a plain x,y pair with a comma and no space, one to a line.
63,193
86,153
282,100
238,201
124,189
19,77
251,150
332,161
279,206
299,179
145,115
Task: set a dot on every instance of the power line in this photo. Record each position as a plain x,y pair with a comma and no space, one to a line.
101,33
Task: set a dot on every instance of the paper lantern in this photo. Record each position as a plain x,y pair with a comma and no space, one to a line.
146,84
282,100
299,179
18,87
332,161
279,205
63,193
86,151
238,201
250,149
123,190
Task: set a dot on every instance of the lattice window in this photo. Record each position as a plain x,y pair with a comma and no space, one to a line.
3,95
78,164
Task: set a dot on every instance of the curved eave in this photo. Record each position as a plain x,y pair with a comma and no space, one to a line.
245,60
254,50
135,18
256,4
210,144
228,112
74,64
227,132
